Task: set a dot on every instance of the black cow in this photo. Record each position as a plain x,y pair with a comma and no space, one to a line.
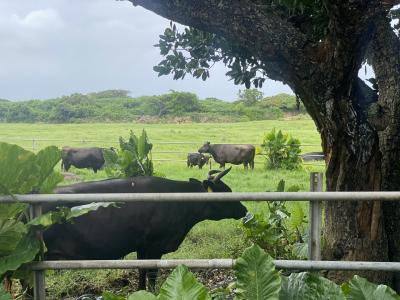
313,156
197,159
227,153
91,158
149,228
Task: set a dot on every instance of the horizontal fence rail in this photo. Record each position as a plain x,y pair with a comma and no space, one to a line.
203,197
212,264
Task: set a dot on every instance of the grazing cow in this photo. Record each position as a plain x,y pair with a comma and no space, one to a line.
233,154
197,159
91,158
313,156
149,228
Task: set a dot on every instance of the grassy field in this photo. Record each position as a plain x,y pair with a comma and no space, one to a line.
208,239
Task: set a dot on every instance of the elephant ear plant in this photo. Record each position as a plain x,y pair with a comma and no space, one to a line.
24,172
257,279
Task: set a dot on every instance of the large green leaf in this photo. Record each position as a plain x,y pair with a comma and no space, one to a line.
256,275
18,170
299,286
4,295
182,285
360,288
11,232
64,214
11,210
25,252
46,160
142,295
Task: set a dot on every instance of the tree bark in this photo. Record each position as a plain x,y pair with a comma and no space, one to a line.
385,115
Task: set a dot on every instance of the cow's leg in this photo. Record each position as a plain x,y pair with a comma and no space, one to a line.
246,165
252,164
222,165
95,170
142,272
142,279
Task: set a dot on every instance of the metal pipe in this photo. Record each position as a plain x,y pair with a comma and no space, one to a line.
214,264
203,197
314,241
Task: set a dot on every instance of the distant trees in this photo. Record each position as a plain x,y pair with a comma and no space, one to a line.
250,97
117,106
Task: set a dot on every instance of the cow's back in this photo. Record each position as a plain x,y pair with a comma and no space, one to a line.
234,154
113,232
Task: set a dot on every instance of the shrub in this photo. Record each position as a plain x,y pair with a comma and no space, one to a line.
281,150
279,232
132,159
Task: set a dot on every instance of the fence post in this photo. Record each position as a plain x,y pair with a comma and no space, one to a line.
314,242
33,145
39,291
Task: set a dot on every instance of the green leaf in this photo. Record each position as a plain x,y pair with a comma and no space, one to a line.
360,288
182,284
299,286
11,232
111,296
25,252
46,160
256,275
142,295
78,211
18,170
4,295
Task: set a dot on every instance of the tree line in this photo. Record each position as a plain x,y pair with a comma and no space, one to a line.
118,106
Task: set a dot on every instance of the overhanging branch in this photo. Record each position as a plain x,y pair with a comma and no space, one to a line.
263,33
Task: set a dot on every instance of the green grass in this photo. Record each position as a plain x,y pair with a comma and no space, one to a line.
208,239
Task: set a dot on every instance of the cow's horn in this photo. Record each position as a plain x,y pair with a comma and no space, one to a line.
210,177
221,174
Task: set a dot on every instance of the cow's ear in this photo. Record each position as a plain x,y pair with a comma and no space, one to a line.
208,186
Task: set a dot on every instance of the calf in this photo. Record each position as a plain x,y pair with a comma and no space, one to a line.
197,159
149,228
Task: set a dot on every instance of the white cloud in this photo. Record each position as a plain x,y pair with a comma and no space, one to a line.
43,19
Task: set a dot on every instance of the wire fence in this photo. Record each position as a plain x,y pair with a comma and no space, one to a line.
179,156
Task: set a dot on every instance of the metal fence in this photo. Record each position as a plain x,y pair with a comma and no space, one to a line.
315,198
159,155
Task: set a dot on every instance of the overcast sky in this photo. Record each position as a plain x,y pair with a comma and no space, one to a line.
50,48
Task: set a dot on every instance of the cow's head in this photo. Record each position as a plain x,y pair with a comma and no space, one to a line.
221,210
205,148
203,160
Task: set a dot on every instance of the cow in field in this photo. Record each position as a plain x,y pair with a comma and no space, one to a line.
310,156
233,154
197,159
149,228
91,158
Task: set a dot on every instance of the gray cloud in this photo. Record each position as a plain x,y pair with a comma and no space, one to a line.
50,48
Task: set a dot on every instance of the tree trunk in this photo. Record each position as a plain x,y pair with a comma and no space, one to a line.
386,64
